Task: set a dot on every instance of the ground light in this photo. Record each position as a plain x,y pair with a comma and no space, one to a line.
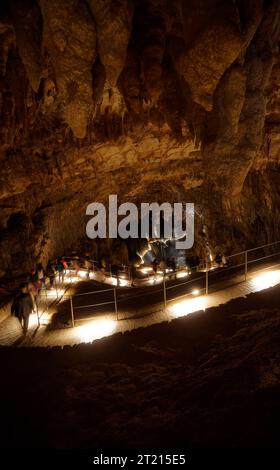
72,279
145,270
195,292
95,330
157,279
267,279
83,274
182,274
185,307
54,293
114,282
124,282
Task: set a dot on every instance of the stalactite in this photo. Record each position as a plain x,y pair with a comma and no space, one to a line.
141,105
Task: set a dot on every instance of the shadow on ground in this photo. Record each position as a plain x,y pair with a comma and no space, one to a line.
207,380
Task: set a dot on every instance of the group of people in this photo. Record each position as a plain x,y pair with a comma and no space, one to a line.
220,260
22,306
74,263
192,263
163,265
25,301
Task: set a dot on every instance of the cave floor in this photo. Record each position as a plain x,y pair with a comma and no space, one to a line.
202,381
106,323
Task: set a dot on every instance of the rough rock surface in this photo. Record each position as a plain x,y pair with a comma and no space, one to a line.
209,380
152,100
70,41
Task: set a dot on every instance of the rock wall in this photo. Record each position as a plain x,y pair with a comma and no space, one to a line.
152,100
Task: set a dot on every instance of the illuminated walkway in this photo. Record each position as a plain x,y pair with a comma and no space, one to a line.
107,324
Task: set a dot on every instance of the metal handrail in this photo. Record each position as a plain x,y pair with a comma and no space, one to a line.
184,282
93,305
228,268
94,292
264,257
212,273
253,249
167,275
228,256
189,281
263,246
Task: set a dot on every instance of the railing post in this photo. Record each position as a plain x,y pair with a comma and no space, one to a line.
46,295
164,290
207,279
72,312
116,304
55,283
37,310
246,265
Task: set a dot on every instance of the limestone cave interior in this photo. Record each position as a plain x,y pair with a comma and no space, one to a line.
151,100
